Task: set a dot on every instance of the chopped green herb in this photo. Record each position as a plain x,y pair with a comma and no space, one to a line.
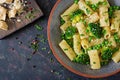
30,15
87,30
106,20
104,32
90,38
57,73
70,31
44,48
76,1
51,60
94,62
116,38
88,11
78,42
65,49
43,40
38,27
82,35
35,45
105,3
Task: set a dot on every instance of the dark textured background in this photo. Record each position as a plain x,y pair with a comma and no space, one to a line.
15,51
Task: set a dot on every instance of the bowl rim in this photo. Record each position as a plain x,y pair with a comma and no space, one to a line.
60,60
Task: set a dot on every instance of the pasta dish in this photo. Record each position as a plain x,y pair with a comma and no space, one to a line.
90,33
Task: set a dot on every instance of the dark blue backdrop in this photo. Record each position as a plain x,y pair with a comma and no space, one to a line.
15,52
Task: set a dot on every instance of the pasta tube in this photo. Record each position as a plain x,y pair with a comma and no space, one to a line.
116,56
93,18
66,14
94,59
85,43
65,26
82,30
67,50
76,44
96,41
113,43
104,17
107,34
115,24
83,6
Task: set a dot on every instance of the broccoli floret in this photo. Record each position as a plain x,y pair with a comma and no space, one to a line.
68,35
82,59
76,16
106,53
69,32
69,41
95,30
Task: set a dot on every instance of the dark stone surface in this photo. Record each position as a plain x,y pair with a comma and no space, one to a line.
15,53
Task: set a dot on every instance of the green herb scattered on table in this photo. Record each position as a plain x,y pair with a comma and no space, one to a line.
35,45
38,27
31,14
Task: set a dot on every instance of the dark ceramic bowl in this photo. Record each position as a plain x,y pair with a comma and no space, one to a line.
53,32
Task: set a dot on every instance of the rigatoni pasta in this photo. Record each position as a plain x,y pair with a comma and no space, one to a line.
82,30
87,10
94,59
84,43
116,57
67,49
107,34
66,14
65,26
115,23
76,43
91,33
113,43
104,17
93,18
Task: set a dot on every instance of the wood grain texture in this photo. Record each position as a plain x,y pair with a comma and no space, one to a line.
14,26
